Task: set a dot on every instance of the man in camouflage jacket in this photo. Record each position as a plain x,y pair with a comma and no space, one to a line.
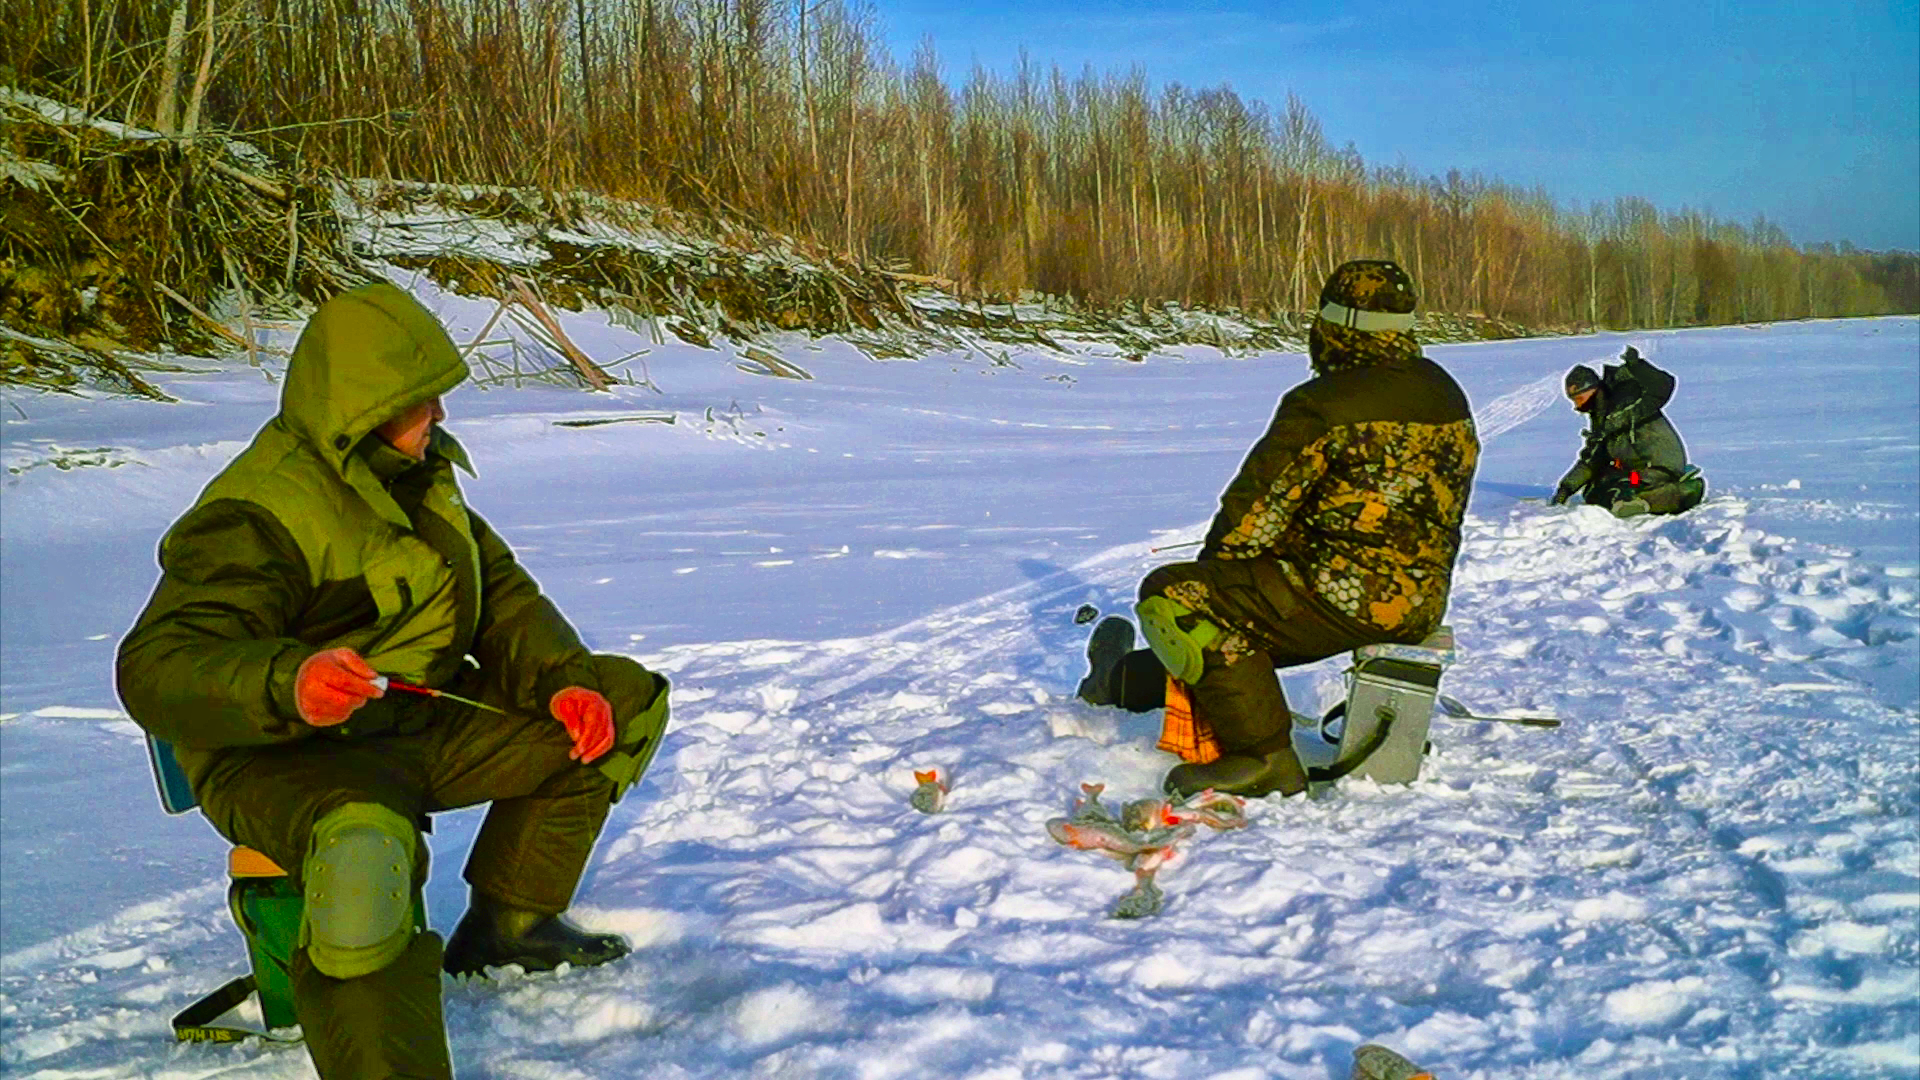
337,550
1632,460
1339,530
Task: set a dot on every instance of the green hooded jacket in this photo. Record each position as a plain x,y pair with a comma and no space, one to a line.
320,535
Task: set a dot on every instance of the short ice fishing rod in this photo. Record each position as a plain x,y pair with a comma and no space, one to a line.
386,682
1457,709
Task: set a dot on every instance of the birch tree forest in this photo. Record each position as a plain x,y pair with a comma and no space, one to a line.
791,114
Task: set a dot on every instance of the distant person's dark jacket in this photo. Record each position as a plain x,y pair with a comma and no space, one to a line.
1627,433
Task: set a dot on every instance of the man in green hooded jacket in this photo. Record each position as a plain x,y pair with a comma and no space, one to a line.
331,559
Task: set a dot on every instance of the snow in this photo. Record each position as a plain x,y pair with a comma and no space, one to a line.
1712,869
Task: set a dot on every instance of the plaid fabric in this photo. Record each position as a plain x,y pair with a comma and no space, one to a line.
1183,733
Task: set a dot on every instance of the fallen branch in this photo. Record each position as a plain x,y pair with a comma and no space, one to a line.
771,364
636,418
587,368
64,355
487,329
265,187
211,322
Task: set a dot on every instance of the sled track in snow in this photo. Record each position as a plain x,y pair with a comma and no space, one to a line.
1509,411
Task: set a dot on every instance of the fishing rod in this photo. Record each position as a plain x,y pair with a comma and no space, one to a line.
387,682
1458,710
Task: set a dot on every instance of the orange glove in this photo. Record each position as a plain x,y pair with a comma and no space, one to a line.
331,684
588,718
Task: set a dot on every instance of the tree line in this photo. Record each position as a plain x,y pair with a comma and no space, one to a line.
792,115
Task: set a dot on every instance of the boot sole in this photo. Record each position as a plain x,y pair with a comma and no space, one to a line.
528,964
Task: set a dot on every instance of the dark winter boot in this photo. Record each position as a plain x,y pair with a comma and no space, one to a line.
1109,643
1236,774
493,934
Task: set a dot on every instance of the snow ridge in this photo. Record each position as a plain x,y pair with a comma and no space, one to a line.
1509,411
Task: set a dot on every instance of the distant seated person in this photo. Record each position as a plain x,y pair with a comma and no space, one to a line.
1633,462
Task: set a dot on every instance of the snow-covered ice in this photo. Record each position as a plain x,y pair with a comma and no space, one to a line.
1712,870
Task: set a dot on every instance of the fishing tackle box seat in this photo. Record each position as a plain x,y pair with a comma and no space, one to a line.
266,905
1380,730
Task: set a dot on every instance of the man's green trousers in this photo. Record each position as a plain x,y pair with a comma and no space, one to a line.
530,851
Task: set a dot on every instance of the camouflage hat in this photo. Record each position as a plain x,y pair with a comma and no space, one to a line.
1370,295
1580,377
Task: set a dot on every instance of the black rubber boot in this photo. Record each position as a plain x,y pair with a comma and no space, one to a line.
492,934
1236,774
1109,643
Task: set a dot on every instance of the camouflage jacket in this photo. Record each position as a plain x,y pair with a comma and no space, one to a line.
1358,490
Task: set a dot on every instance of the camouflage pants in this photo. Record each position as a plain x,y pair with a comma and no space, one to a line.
1266,623
530,851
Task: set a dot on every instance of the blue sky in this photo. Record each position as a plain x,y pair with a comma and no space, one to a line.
1807,113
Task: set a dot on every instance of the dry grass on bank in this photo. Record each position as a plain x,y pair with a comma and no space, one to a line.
699,277
120,246
117,242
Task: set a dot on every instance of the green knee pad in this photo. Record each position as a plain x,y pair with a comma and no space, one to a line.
1178,650
358,880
